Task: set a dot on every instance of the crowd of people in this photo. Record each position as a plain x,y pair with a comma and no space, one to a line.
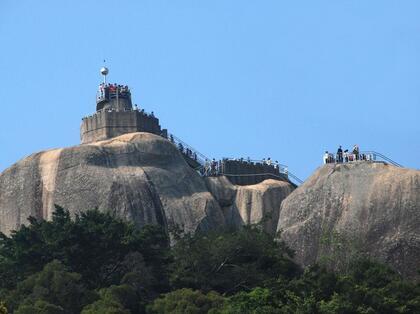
346,155
214,167
184,150
109,91
136,108
264,161
151,114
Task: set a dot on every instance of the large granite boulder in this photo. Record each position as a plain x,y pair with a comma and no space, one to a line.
140,176
250,204
362,207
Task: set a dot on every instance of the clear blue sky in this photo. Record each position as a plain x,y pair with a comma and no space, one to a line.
280,79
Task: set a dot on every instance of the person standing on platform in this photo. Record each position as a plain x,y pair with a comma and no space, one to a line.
326,155
213,167
356,152
339,154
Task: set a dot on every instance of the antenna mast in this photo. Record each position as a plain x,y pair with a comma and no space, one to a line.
104,72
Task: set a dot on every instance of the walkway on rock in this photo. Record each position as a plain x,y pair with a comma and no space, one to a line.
203,164
369,156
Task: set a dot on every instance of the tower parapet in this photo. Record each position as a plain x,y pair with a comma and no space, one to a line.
115,115
113,96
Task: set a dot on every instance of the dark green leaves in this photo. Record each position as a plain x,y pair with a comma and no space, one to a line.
230,261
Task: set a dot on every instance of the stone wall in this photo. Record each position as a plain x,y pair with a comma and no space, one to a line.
120,104
107,124
246,173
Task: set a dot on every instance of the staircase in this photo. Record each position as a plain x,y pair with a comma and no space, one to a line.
380,157
203,164
193,157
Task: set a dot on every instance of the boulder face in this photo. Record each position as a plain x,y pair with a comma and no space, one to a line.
140,176
361,207
250,204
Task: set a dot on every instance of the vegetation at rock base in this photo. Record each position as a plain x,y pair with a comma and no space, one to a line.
97,263
229,262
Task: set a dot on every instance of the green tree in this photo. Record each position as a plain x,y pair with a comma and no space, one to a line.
229,261
97,263
315,282
116,299
367,287
338,305
94,244
374,287
187,301
40,307
54,290
105,307
3,308
256,301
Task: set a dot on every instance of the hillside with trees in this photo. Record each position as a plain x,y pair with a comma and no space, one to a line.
97,263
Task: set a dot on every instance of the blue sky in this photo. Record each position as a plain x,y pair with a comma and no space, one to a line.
280,79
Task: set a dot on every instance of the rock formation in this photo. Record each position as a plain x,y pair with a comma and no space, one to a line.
356,207
341,209
141,177
250,204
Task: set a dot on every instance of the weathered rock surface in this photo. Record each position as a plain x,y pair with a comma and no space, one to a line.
374,206
140,176
250,204
144,178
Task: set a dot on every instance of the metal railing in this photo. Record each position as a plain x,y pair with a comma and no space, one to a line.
283,169
296,180
380,157
362,156
290,176
209,167
188,150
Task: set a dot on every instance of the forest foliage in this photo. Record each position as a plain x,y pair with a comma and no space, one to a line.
97,263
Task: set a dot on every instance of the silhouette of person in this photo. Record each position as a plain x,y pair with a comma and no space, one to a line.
339,154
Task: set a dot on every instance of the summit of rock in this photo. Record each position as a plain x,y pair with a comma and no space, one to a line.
368,206
141,177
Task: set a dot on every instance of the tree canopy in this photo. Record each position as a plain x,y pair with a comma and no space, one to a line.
98,263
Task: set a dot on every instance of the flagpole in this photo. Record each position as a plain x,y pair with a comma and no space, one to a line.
118,104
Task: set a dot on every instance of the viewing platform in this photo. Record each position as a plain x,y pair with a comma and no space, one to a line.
242,171
368,156
115,115
239,171
113,96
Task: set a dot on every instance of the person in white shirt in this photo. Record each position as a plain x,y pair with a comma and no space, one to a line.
326,155
346,155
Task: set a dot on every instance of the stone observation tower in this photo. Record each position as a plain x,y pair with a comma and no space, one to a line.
115,115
